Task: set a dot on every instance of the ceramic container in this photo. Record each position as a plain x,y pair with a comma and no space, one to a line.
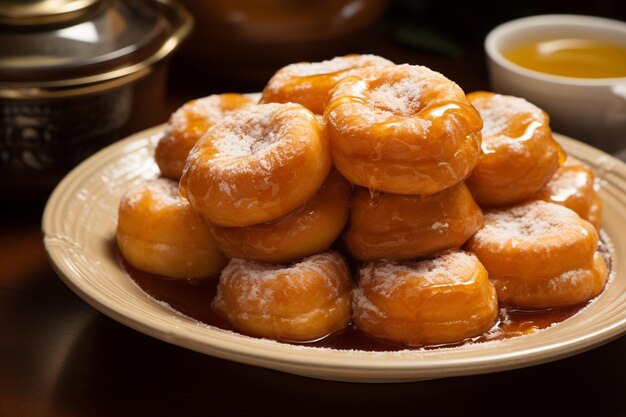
590,109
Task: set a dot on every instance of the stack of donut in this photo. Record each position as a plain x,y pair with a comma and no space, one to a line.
388,165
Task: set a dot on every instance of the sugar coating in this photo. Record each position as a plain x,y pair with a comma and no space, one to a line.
252,279
569,279
394,94
162,192
525,221
258,139
402,97
498,111
340,63
447,268
367,309
254,130
209,109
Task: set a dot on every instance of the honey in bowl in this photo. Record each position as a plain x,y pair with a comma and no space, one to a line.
571,57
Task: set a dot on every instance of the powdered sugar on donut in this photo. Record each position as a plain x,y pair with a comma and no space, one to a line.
161,191
254,280
252,131
366,307
449,267
525,221
209,109
499,110
341,63
570,279
394,95
403,97
256,131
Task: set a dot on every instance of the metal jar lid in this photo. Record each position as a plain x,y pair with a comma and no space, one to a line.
62,48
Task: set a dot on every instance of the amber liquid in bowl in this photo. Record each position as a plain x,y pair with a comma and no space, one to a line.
571,57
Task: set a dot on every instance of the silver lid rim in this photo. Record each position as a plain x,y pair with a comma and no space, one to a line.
109,80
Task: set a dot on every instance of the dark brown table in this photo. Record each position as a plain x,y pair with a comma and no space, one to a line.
60,357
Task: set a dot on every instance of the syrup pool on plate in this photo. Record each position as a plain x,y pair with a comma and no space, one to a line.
193,299
571,57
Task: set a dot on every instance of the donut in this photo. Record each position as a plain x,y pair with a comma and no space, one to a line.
397,226
309,229
308,83
402,129
301,302
519,155
159,232
442,300
573,186
256,165
188,124
540,255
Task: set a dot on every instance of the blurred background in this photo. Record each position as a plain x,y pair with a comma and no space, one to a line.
76,75
237,45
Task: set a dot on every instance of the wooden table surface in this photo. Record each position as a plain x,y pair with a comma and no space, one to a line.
60,357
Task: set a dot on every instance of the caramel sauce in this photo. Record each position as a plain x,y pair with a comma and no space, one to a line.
374,197
193,299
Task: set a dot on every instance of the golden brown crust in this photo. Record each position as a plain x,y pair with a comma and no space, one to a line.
300,302
257,165
445,299
519,155
573,186
159,232
540,255
396,226
402,129
308,83
308,230
188,124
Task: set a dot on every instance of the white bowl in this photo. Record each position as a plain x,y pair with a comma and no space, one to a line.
591,109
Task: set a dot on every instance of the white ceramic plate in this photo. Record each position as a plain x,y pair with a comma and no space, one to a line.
79,228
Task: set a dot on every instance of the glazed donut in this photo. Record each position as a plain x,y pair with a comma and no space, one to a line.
256,165
302,302
540,255
402,129
519,155
309,229
394,226
160,233
446,299
308,83
573,186
188,124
